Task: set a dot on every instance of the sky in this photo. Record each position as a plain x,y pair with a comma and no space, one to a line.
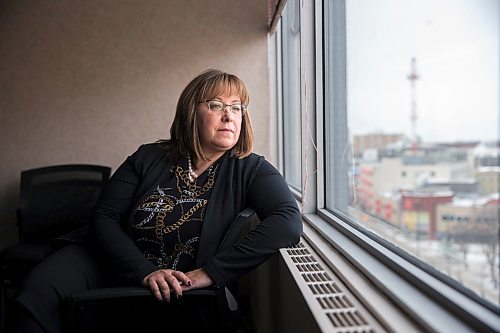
456,47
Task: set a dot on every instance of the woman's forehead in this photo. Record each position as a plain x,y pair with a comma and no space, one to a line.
225,87
222,91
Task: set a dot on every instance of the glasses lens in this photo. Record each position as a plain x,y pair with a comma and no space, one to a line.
236,108
215,106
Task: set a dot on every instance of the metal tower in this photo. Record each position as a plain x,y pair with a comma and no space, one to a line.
413,77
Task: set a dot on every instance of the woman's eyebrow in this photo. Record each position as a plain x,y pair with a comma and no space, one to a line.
238,100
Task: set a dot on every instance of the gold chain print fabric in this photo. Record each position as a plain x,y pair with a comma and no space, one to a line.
166,225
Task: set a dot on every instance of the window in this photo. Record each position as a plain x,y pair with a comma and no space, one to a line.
405,128
411,72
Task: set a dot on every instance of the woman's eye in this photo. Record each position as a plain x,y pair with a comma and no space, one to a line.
216,106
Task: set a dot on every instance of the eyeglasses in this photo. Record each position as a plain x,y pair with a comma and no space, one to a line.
237,109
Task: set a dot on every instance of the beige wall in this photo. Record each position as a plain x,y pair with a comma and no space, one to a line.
489,180
89,81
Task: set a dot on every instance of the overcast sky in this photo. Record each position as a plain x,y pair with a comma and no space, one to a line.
456,46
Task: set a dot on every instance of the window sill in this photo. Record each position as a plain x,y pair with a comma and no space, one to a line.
424,299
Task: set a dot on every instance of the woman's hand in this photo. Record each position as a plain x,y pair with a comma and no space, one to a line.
199,279
163,281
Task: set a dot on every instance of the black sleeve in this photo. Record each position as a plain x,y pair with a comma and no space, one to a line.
112,244
281,226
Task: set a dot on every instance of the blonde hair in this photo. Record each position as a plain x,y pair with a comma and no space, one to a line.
184,137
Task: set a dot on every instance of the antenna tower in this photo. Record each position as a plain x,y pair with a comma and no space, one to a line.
413,77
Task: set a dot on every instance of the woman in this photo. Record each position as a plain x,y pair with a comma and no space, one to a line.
163,218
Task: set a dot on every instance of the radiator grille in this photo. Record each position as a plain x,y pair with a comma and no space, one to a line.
337,305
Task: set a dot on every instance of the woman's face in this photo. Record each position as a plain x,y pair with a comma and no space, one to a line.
218,132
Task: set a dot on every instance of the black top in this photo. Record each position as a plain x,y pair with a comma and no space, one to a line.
240,183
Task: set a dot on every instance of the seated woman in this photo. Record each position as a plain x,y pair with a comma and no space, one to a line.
162,219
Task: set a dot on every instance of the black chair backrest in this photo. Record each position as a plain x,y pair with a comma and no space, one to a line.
57,199
242,224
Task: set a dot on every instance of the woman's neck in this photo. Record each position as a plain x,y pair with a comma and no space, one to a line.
201,165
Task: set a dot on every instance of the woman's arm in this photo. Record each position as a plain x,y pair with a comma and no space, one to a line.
108,238
281,226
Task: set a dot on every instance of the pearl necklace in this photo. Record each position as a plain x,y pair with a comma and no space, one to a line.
191,174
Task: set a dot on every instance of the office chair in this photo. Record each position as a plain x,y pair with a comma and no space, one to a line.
54,201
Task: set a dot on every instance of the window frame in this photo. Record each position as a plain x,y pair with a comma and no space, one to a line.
291,169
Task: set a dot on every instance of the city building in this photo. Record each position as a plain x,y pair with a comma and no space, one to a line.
467,220
418,210
373,141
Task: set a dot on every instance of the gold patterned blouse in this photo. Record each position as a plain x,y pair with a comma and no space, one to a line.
166,224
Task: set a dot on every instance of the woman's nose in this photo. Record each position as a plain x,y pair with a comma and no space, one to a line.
227,115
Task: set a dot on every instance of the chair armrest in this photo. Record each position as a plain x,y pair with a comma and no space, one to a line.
135,309
121,292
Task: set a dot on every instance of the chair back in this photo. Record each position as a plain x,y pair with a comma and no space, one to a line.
242,224
58,199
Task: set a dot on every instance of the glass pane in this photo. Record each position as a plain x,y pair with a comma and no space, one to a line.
291,94
423,121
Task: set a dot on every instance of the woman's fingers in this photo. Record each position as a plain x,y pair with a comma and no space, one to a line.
182,278
199,279
164,290
174,285
155,289
164,281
